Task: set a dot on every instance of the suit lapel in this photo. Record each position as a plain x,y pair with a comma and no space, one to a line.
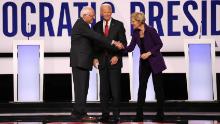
101,28
111,28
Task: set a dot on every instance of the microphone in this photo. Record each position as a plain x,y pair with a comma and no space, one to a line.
28,29
216,44
200,30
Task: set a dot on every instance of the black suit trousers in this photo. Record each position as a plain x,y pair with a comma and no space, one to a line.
110,88
144,74
81,85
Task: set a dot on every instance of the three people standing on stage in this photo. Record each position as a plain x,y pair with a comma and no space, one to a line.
109,60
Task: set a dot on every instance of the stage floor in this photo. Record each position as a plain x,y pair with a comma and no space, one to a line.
126,118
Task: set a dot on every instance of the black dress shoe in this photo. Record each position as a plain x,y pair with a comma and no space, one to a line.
139,115
114,120
159,116
88,119
83,117
104,118
138,119
77,115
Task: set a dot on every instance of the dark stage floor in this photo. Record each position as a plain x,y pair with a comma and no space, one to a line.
126,118
181,112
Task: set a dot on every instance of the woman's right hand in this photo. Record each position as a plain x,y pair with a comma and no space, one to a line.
146,55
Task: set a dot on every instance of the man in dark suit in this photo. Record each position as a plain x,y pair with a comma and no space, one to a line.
81,57
109,62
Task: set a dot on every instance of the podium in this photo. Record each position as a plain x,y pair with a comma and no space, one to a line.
201,76
28,64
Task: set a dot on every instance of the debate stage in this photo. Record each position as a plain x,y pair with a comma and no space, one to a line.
36,81
182,112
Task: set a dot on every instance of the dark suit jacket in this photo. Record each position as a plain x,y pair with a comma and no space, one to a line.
152,43
117,33
82,38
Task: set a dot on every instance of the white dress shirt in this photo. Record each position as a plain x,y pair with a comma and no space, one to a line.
104,23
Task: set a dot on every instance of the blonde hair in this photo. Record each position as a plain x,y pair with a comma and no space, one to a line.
138,16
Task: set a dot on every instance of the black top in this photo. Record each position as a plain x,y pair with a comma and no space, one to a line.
142,46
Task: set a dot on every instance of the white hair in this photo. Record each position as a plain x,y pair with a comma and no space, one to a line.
106,5
86,10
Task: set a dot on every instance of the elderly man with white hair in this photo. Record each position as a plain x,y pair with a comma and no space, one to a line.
81,57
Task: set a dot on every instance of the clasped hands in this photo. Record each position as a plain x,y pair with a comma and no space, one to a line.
113,61
146,55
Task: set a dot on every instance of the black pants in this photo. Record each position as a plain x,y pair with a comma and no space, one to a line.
144,74
81,85
110,87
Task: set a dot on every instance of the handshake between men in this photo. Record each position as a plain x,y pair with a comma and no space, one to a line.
118,45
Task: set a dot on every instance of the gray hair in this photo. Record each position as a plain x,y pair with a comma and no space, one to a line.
86,10
106,5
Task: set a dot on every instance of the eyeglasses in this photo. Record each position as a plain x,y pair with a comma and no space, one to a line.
92,16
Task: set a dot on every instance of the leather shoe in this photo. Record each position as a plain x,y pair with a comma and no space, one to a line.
88,119
83,117
78,115
160,116
138,119
114,120
104,118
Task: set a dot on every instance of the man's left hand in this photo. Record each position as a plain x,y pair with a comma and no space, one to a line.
119,45
114,60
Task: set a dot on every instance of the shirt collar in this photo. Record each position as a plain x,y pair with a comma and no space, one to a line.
109,22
